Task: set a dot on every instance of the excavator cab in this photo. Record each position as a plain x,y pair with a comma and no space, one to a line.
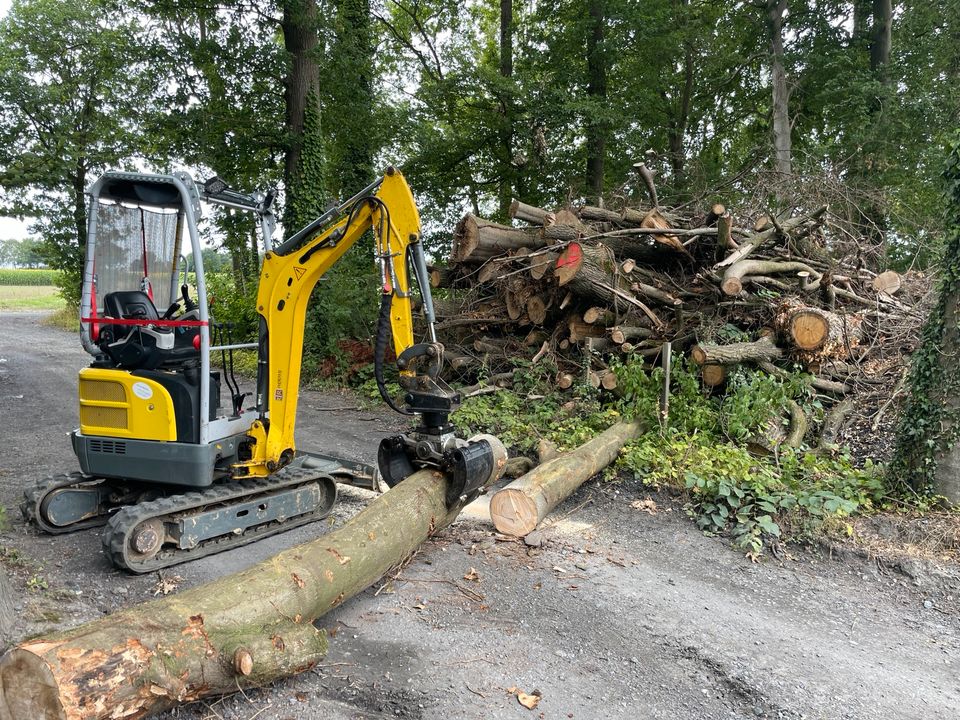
151,404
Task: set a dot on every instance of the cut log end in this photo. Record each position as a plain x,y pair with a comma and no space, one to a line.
29,687
243,662
731,286
713,375
809,329
513,513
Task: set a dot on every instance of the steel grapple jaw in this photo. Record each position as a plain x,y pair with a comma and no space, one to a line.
468,465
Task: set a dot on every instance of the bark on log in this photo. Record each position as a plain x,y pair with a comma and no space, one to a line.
590,271
529,213
476,240
818,334
759,238
155,656
599,214
518,508
542,264
734,275
762,349
623,333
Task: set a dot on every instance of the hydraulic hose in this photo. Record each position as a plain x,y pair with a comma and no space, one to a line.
380,351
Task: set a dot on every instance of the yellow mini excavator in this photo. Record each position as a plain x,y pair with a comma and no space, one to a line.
174,470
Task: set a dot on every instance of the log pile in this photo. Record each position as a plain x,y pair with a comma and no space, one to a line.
577,285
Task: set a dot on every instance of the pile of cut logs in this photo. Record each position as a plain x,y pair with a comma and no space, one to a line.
726,286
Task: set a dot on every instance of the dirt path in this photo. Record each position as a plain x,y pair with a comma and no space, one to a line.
620,614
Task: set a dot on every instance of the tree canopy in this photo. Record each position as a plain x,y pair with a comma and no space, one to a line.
479,102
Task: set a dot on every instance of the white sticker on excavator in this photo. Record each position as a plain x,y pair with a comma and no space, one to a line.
142,390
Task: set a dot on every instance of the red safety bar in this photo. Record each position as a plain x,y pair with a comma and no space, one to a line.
144,323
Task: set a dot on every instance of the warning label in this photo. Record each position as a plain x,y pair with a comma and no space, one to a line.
278,394
299,271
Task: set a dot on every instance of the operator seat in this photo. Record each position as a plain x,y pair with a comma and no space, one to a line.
137,347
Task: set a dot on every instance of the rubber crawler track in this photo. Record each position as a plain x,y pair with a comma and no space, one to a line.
117,533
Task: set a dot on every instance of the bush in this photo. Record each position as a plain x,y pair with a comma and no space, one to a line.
795,491
28,276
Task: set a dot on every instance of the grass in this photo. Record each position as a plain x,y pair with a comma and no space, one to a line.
30,297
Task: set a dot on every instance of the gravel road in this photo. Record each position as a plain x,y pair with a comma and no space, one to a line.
619,613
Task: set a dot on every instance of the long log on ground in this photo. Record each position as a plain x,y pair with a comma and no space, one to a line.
477,240
518,508
245,629
762,349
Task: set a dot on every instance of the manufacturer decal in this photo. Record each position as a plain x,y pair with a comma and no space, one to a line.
142,390
278,395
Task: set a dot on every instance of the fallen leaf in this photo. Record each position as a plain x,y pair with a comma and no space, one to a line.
529,701
166,585
646,505
472,575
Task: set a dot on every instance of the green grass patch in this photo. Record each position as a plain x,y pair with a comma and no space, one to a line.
28,276
65,318
30,297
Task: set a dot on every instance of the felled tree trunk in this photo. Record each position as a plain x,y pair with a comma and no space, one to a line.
709,353
245,629
818,334
518,508
476,240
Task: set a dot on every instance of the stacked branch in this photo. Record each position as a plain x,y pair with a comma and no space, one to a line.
576,286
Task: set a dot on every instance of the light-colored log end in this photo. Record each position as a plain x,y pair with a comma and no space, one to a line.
28,688
731,286
243,661
513,513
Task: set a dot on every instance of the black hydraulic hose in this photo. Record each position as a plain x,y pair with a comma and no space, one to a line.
380,351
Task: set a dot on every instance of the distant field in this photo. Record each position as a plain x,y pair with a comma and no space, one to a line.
30,297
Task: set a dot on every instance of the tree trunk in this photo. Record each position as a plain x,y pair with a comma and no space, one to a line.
880,37
299,26
518,508
778,79
242,630
506,107
596,126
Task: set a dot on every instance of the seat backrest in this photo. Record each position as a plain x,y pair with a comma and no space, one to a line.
130,304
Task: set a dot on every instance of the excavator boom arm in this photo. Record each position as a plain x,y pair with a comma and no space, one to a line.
287,279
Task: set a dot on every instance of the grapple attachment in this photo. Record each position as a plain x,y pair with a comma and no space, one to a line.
469,465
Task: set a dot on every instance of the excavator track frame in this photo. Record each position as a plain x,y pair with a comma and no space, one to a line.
119,536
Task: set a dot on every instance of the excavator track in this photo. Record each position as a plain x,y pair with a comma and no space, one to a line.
152,535
36,499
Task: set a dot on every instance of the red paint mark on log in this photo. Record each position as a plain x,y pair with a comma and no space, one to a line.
572,255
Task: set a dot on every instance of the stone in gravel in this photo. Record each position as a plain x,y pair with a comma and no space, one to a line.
534,539
927,604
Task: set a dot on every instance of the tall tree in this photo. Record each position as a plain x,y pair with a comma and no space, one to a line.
597,126
73,85
780,108
928,447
